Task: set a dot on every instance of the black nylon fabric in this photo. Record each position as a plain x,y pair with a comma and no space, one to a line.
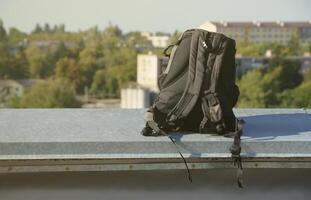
173,84
198,92
203,61
227,89
197,63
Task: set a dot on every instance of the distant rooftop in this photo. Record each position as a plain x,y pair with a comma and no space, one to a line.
262,23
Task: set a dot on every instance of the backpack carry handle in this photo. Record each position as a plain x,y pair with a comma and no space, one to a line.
167,48
174,44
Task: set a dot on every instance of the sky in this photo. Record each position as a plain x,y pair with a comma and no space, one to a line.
146,15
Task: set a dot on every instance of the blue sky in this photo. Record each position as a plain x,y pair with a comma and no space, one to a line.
146,15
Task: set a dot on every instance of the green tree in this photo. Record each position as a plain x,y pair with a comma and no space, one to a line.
47,28
75,51
252,92
38,62
112,37
4,60
92,37
13,62
271,84
60,28
4,53
307,75
55,54
299,97
248,49
16,36
289,75
294,46
61,51
112,82
137,41
18,65
3,34
120,68
67,68
38,29
48,94
261,87
90,60
99,85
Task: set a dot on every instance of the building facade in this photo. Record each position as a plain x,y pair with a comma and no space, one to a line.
157,40
134,96
142,93
148,71
262,32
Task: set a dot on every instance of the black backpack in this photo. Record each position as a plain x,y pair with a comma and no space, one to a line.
198,90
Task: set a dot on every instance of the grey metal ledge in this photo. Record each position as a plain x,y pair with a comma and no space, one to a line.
34,140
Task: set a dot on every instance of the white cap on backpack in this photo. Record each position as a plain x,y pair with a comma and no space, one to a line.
208,26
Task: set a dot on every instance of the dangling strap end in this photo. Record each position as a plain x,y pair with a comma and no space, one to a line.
237,161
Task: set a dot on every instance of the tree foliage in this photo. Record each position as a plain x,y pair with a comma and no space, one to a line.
16,36
38,65
105,60
67,68
299,97
47,94
261,87
252,92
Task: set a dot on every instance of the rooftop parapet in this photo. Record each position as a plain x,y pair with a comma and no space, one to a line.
35,140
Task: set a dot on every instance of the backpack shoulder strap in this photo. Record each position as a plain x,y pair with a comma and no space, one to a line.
176,43
211,108
174,47
199,51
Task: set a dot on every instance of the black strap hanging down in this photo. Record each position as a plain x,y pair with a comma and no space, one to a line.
197,61
237,161
200,72
154,130
235,150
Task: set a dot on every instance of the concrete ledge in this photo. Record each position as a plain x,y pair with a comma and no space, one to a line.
109,139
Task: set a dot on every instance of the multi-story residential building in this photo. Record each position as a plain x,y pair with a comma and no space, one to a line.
148,71
157,39
142,93
134,96
261,32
